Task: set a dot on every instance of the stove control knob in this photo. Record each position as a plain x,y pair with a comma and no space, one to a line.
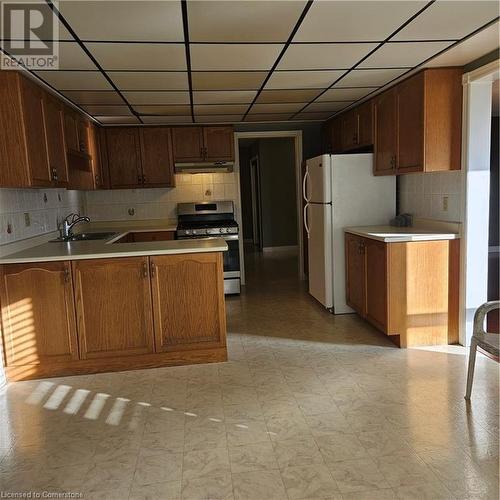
223,230
188,232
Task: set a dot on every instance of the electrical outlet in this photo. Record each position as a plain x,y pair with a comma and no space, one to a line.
445,203
27,219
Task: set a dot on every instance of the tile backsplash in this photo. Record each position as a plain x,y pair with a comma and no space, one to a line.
159,203
426,194
44,207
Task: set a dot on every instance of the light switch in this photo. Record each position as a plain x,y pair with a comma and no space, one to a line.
27,219
445,203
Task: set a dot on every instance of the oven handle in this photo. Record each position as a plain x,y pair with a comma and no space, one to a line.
229,237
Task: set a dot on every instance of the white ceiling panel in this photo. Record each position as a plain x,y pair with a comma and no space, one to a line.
158,20
403,54
278,117
72,56
166,120
118,120
447,19
370,77
75,80
107,110
218,118
139,56
164,110
277,108
326,56
104,97
331,107
293,95
242,21
223,109
312,116
177,80
302,79
234,57
340,94
469,50
214,97
335,21
228,80
157,97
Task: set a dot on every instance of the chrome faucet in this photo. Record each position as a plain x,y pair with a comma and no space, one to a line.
67,225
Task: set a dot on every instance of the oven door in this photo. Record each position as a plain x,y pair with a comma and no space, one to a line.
232,257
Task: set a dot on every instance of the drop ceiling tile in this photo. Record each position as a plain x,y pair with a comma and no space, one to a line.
118,120
277,108
234,57
354,21
157,97
72,57
124,20
103,97
268,117
139,56
302,95
75,80
449,20
403,54
469,50
311,116
370,77
242,21
214,97
164,110
166,120
228,80
324,56
326,106
218,118
176,80
107,110
222,109
302,79
345,94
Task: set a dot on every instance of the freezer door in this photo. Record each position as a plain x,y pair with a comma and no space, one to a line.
317,180
319,217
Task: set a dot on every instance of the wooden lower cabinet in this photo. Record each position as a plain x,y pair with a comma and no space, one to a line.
408,290
113,307
38,315
188,301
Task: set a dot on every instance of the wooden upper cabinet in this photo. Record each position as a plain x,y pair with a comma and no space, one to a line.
188,144
71,130
188,301
365,124
326,137
355,273
337,135
54,130
218,143
38,316
157,158
376,282
385,143
350,130
98,170
113,307
124,157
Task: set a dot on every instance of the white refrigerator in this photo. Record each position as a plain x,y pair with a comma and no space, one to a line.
340,191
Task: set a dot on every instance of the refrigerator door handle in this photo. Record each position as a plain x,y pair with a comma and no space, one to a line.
304,185
306,225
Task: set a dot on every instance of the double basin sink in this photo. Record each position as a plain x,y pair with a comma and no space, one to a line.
86,237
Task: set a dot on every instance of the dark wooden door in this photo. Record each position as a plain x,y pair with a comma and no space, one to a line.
376,282
54,130
218,143
355,273
124,157
157,158
188,144
32,97
385,133
410,106
365,124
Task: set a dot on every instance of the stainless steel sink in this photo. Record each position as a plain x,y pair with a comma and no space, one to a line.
87,237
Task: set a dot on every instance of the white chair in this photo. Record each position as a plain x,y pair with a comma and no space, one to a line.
489,342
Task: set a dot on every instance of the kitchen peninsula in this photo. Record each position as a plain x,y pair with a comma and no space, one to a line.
112,304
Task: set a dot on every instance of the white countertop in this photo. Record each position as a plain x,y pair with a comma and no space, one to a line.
392,234
105,249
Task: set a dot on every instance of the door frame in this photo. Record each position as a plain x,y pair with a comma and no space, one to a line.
256,207
296,135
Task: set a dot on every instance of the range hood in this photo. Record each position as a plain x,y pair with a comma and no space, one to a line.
204,167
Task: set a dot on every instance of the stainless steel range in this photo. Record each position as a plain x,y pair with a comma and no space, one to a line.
214,219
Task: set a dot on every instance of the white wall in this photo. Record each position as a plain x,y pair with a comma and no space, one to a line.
44,206
421,194
159,203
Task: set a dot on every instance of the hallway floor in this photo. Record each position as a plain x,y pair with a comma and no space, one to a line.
310,406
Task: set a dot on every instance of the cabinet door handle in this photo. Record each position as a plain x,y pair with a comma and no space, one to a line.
139,179
144,179
66,275
153,269
205,153
145,273
97,180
